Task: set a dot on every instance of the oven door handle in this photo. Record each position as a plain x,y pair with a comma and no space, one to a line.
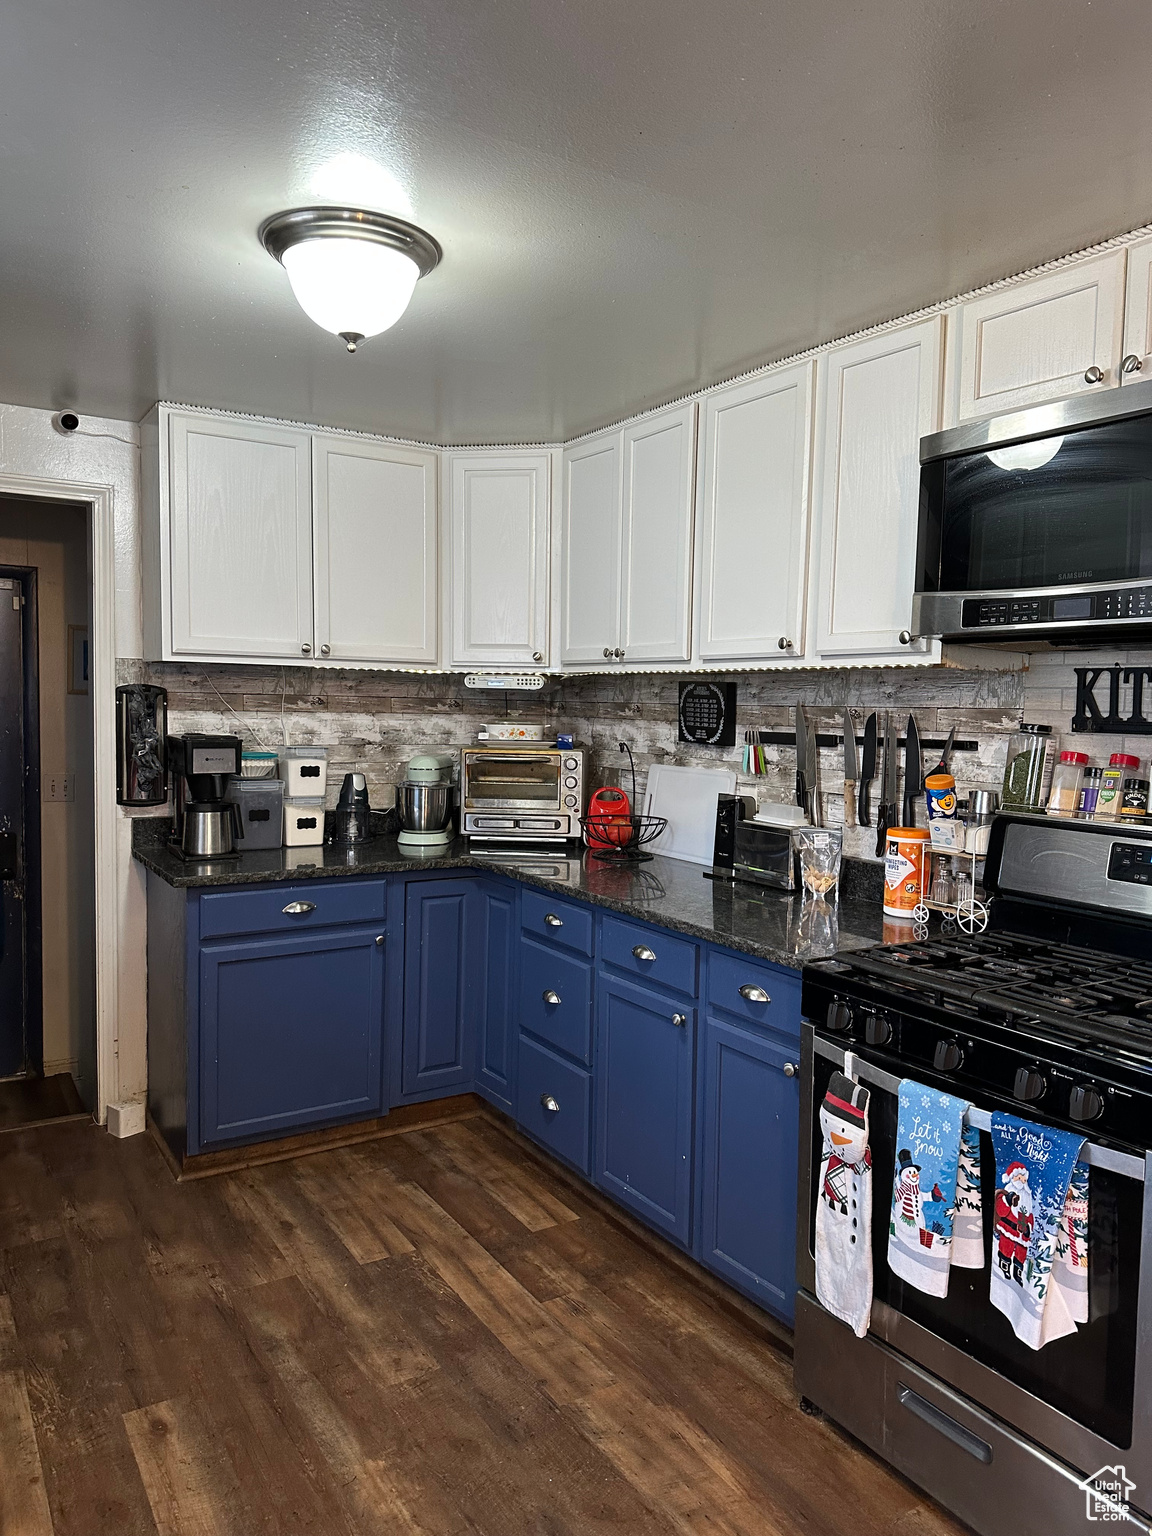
944,1422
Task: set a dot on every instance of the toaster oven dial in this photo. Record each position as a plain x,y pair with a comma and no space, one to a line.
948,1057
571,763
1028,1085
877,1029
570,783
839,1017
1085,1102
571,801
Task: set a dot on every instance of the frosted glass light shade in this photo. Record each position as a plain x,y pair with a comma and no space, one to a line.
350,286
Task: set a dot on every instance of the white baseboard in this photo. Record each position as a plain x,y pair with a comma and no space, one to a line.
70,1065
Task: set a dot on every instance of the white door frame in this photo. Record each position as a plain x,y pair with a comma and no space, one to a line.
102,686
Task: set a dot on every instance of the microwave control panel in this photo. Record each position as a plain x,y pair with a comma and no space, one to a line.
1116,605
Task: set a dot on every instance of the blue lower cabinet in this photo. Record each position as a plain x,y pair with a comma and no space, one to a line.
748,1162
438,1044
553,1102
494,940
645,1049
290,1033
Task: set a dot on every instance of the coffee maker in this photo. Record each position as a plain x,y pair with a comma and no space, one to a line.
206,827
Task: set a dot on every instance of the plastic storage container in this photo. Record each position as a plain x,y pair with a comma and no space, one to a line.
304,771
1064,796
261,803
259,765
303,824
1110,798
904,871
1028,771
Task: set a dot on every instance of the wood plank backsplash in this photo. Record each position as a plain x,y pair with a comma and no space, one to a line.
374,722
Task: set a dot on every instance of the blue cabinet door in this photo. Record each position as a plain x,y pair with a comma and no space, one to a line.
439,998
748,1162
493,964
644,1078
290,1033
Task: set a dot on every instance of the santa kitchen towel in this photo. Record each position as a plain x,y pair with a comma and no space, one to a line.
844,1206
928,1131
1034,1168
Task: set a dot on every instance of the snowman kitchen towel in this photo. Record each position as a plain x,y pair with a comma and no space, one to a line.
1034,1171
929,1128
844,1206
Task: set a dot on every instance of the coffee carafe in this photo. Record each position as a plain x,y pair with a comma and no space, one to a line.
206,826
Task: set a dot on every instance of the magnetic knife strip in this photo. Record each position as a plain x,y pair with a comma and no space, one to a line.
788,739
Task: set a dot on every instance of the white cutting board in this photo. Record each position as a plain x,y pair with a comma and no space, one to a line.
687,797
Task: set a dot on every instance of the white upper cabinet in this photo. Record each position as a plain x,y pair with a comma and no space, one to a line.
498,519
590,550
878,397
375,517
235,539
757,444
1038,340
656,543
1137,359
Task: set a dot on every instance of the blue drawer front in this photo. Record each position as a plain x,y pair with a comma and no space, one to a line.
558,922
628,946
565,1130
566,1024
728,973
224,913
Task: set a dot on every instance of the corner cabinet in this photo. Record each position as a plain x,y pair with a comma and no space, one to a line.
499,532
590,550
876,399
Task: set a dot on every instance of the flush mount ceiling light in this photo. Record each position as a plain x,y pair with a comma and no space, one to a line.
352,271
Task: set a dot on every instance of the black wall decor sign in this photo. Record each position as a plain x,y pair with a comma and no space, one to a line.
1090,716
708,714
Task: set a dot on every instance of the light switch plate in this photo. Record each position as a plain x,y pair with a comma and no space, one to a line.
59,786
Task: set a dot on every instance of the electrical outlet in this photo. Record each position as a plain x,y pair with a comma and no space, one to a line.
59,786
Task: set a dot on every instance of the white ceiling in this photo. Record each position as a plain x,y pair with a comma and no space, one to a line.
635,197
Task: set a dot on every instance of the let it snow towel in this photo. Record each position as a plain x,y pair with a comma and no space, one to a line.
844,1206
1034,1173
929,1127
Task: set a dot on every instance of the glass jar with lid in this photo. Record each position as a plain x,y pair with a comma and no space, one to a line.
1067,778
1028,771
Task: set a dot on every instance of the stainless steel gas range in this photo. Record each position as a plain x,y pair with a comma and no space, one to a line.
1049,1016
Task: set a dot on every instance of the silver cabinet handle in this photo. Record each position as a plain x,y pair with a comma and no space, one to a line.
550,996
295,908
380,939
784,643
618,653
607,651
790,1069
325,650
537,656
553,921
752,994
1093,375
1131,363
305,649
642,952
549,1104
906,637
680,1018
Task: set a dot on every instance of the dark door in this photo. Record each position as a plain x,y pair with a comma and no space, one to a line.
438,1000
13,919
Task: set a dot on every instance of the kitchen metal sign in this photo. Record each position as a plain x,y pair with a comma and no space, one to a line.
1090,715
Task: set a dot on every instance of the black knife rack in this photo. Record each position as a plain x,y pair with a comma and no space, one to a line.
927,743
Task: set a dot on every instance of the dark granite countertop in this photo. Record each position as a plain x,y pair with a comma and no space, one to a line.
771,925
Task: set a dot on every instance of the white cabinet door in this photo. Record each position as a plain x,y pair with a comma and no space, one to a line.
590,551
754,544
499,582
376,545
878,398
1138,314
656,543
1041,339
239,555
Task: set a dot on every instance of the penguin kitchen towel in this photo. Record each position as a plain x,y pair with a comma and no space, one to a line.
930,1125
1035,1221
844,1206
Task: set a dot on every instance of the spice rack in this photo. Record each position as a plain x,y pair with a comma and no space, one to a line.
969,912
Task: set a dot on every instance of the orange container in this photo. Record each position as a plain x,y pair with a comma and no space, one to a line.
904,871
608,823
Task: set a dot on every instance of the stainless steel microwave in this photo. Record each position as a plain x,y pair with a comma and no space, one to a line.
1039,523
519,792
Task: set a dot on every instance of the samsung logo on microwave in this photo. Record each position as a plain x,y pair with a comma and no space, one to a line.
1075,575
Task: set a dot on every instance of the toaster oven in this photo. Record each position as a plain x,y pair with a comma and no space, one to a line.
521,793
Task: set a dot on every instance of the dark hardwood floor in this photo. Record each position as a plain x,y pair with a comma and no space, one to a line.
426,1335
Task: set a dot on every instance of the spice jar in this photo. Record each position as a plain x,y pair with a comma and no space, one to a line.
1134,801
1064,796
1120,766
1028,772
1089,791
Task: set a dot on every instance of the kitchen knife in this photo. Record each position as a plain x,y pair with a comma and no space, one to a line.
946,755
802,762
851,770
812,754
913,772
868,770
887,812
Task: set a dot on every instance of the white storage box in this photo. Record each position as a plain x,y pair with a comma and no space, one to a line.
303,823
304,771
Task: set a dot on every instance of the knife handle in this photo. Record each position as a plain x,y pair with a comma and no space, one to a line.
849,802
865,803
881,831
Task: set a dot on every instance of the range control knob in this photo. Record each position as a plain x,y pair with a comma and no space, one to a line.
878,1029
839,1018
947,1057
1029,1085
1085,1102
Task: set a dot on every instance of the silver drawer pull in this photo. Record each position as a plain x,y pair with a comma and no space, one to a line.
551,997
680,1018
790,1069
553,921
549,1104
294,908
642,952
752,994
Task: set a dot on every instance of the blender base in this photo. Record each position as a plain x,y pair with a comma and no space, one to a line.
425,840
